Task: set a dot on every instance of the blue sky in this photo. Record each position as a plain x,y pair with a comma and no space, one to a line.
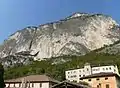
18,14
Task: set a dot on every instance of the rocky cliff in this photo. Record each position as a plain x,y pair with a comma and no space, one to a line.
77,34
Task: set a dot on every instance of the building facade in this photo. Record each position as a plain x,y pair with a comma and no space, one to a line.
102,80
33,81
76,74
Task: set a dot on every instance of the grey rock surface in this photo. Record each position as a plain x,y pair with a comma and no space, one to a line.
77,34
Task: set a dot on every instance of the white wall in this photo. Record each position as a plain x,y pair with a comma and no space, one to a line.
36,85
78,73
12,85
6,84
45,85
73,75
103,69
17,85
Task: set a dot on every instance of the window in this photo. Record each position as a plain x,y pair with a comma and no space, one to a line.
79,75
114,70
14,84
110,68
106,78
87,69
97,86
32,84
74,71
83,75
96,69
40,85
8,85
79,70
19,84
107,86
89,79
28,85
75,76
103,68
68,72
74,80
83,70
97,79
106,68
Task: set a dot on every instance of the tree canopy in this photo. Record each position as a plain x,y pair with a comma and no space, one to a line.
57,71
2,84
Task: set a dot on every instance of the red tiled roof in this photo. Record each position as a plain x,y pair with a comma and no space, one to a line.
33,78
99,75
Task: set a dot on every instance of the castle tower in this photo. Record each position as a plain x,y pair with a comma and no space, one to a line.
116,70
87,69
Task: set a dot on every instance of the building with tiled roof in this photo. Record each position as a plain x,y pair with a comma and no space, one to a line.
32,81
102,80
76,74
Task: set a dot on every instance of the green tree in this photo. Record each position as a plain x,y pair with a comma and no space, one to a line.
2,84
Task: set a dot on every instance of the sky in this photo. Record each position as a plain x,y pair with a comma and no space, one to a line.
18,14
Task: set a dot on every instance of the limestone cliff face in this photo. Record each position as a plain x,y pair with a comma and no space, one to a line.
74,35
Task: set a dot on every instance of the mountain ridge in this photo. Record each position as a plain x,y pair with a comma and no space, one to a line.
77,34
